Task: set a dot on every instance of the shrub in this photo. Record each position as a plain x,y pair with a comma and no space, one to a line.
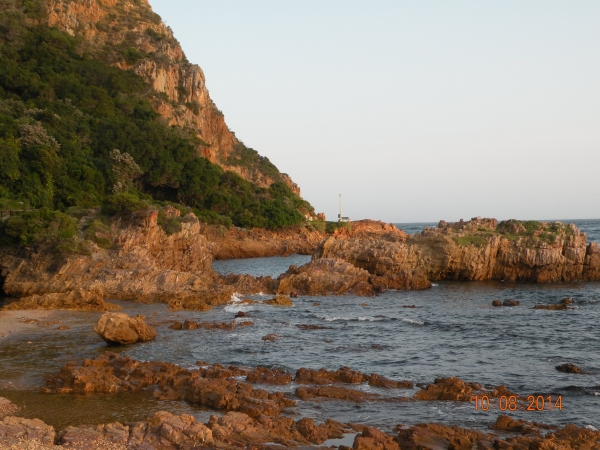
40,227
123,204
332,226
170,225
317,225
99,233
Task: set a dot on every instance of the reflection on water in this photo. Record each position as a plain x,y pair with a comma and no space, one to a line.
61,411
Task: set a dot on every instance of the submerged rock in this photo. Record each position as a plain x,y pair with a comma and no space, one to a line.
270,337
280,300
269,376
455,389
119,328
570,368
506,303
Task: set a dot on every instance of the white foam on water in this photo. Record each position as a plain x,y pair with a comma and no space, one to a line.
349,319
434,284
235,298
237,307
414,321
590,427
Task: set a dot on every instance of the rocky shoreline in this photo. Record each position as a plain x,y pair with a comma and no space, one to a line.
145,264
252,417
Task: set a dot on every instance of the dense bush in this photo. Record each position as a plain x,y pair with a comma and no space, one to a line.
39,226
63,115
332,226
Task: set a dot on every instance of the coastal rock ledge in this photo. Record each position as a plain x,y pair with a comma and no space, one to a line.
479,249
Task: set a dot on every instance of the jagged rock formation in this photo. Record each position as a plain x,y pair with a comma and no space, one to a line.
480,249
130,35
236,243
145,264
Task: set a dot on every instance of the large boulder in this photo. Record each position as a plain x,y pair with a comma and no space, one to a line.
119,328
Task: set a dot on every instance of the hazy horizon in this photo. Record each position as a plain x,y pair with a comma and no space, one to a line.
414,111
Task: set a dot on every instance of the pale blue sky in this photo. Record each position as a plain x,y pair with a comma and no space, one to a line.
413,110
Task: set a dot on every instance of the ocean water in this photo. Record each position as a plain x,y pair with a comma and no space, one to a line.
452,331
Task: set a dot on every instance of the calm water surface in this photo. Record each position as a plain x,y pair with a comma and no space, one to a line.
453,331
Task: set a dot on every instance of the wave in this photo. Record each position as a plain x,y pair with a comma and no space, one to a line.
237,307
415,321
351,319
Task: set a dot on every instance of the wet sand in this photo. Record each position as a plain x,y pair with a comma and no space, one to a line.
12,322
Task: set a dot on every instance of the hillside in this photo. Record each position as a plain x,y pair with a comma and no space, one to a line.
99,106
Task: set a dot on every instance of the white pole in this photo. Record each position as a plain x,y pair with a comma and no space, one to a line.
340,207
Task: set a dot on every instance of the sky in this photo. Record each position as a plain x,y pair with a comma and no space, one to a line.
412,110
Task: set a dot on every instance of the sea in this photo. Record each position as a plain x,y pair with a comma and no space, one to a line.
452,331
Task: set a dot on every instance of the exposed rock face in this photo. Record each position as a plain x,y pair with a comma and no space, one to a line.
238,430
236,243
346,375
268,376
145,264
325,276
8,408
78,299
212,387
162,430
280,300
455,389
119,328
480,249
112,26
15,429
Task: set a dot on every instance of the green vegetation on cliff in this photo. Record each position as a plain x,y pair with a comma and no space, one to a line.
78,132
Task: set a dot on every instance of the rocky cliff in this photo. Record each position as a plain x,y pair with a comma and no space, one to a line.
143,264
128,34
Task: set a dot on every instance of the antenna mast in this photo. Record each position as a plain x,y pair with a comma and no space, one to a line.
340,216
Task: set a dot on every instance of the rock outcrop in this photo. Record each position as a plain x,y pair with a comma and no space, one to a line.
325,276
239,430
121,329
8,408
143,264
213,387
77,300
14,430
237,243
480,249
455,389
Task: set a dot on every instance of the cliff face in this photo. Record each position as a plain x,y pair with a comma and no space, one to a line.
476,250
128,34
144,264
